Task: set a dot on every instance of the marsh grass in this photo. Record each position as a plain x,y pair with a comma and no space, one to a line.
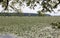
25,26
55,25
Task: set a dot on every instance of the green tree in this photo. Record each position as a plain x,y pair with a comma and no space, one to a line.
1,0
41,13
47,5
5,5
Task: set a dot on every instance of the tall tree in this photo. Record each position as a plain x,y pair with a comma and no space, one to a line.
47,5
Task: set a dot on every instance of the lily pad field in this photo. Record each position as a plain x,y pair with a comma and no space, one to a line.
29,27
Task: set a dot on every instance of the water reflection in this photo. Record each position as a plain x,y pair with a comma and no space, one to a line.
7,36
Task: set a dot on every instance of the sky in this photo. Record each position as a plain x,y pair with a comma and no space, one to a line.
26,9
29,10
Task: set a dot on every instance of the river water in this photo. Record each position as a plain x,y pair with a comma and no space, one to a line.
7,36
